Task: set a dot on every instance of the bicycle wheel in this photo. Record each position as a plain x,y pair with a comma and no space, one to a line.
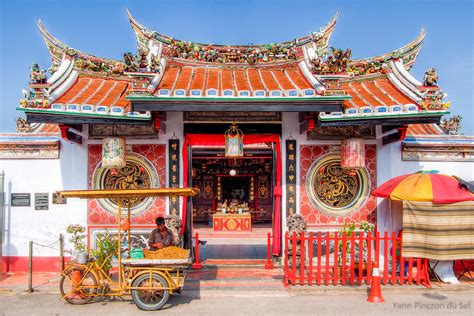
77,294
150,300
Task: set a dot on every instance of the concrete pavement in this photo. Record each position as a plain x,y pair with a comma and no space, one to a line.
252,303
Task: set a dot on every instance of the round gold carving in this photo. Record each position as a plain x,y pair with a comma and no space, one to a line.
139,173
333,190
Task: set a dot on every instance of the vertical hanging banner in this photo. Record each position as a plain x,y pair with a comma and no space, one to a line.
173,174
290,177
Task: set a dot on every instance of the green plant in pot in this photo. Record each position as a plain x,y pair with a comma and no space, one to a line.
106,247
77,236
348,229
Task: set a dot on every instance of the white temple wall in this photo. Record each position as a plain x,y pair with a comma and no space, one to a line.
23,224
391,165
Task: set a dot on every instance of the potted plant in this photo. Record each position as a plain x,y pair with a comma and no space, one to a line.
106,245
77,239
348,229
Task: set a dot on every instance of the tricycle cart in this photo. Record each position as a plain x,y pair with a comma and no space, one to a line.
148,281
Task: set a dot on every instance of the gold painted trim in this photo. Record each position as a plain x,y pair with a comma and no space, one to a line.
123,194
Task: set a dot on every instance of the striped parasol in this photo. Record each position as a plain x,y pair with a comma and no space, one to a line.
427,186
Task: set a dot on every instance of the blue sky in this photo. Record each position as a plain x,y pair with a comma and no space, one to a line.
367,27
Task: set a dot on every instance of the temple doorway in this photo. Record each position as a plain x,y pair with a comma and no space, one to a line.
233,210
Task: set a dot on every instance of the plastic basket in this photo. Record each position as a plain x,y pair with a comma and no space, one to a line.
137,253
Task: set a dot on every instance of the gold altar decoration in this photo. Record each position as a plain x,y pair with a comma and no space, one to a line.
232,222
353,153
234,142
171,252
113,153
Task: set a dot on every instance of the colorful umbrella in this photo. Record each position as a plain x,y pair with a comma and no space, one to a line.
428,186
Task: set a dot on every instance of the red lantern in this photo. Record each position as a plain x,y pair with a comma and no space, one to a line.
353,153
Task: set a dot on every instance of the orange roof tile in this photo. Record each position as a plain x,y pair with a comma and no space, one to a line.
366,95
375,92
197,81
169,78
75,89
115,93
212,81
424,129
254,79
184,78
298,79
241,80
269,80
394,92
99,95
227,79
283,80
356,100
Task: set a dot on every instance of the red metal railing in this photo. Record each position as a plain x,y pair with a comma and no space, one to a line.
269,264
196,265
337,258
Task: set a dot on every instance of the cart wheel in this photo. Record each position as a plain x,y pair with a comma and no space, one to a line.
77,294
150,300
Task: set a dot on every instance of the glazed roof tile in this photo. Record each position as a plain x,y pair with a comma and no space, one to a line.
183,76
96,91
374,92
424,129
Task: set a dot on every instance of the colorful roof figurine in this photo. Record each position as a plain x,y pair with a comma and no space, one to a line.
166,74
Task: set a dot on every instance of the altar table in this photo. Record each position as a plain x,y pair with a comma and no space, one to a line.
232,222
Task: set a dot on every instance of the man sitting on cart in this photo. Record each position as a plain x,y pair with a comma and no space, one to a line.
161,236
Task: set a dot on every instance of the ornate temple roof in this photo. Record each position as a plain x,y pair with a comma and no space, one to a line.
301,74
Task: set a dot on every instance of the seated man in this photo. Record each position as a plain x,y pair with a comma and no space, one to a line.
161,236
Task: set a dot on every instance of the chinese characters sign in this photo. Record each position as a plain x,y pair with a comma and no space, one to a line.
290,176
173,180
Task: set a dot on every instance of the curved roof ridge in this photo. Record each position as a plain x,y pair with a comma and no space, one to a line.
148,33
293,50
407,53
56,47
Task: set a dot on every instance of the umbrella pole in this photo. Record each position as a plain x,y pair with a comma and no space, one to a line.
119,242
129,228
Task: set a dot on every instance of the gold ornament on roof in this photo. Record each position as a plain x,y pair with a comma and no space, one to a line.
430,78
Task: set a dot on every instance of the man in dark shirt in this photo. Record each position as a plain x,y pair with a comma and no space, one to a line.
161,236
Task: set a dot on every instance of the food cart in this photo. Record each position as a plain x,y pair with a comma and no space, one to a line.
148,281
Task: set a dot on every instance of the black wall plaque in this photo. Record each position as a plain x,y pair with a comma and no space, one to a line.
290,177
173,173
20,199
41,201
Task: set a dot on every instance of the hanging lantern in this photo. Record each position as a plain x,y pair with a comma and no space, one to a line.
234,142
353,153
113,153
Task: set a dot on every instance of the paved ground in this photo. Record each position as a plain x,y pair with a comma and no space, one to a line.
232,248
253,303
225,287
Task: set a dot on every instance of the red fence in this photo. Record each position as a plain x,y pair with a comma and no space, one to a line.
347,259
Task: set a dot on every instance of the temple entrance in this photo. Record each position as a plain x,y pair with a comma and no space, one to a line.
233,210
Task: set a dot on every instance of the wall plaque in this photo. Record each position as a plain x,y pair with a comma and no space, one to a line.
290,177
173,173
20,199
41,201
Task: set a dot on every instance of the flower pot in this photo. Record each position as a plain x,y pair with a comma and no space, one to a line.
82,258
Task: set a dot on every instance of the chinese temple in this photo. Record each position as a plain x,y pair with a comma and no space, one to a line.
265,132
